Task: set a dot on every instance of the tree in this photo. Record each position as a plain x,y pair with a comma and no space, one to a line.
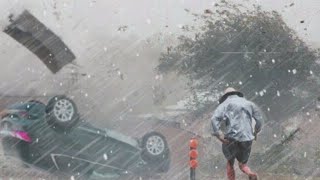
253,50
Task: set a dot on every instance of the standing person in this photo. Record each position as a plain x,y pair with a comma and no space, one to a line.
237,114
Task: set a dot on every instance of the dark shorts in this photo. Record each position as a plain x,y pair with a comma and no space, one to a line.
237,150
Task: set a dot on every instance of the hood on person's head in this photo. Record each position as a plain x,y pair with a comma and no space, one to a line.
228,92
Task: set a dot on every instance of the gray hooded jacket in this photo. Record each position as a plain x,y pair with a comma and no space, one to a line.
237,113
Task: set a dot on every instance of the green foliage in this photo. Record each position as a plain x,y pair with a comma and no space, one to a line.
250,50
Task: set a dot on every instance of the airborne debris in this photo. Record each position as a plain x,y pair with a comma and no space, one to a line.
122,28
208,11
35,36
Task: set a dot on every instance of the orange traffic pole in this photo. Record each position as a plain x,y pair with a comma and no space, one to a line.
193,154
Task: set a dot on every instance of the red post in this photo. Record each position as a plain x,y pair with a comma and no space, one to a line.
193,154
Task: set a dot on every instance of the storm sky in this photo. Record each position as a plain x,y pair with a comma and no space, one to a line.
89,27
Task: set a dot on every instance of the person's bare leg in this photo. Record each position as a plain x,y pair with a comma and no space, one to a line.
230,170
245,168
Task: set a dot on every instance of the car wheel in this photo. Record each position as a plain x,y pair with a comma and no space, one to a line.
62,113
155,147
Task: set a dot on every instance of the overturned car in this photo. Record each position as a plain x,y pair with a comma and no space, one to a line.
55,138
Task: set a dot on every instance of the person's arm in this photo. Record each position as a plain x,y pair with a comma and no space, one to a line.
216,120
258,116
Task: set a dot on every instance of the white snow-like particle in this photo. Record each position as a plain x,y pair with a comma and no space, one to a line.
37,140
105,157
256,93
105,48
273,61
289,70
250,75
180,26
268,109
86,95
274,135
184,122
98,132
305,154
311,72
130,109
119,73
72,178
111,151
148,21
60,84
89,76
308,114
216,167
261,93
310,120
240,82
69,164
44,94
260,62
264,90
137,54
278,93
294,71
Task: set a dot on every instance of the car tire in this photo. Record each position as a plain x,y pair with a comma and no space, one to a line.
154,147
62,113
